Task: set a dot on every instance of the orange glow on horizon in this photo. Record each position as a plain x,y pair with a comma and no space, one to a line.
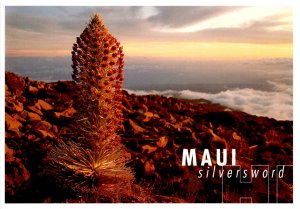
37,53
209,50
192,50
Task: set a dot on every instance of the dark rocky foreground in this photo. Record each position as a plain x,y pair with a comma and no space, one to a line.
38,116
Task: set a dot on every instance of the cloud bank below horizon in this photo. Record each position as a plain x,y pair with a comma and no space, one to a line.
276,104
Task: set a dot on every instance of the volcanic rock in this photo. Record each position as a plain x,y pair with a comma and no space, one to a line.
44,105
33,116
44,134
155,131
136,128
66,113
16,176
148,149
33,90
36,109
149,167
15,84
12,124
14,106
43,125
162,142
9,154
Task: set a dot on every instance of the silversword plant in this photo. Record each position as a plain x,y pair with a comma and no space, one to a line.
97,159
98,72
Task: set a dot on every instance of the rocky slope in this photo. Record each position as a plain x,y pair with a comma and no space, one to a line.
38,115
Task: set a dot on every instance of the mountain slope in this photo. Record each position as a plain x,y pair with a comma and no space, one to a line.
156,129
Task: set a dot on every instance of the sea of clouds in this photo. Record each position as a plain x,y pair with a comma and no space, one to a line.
261,87
276,104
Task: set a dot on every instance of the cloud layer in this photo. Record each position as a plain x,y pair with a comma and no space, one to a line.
276,104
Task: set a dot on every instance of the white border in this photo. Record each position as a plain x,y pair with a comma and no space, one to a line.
296,105
151,3
296,88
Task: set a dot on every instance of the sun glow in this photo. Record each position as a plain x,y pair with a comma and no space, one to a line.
267,34
209,50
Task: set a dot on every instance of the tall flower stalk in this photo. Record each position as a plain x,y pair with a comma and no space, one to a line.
96,159
98,72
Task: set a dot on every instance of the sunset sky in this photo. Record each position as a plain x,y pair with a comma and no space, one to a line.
185,32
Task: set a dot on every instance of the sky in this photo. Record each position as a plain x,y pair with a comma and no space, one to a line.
241,57
206,33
